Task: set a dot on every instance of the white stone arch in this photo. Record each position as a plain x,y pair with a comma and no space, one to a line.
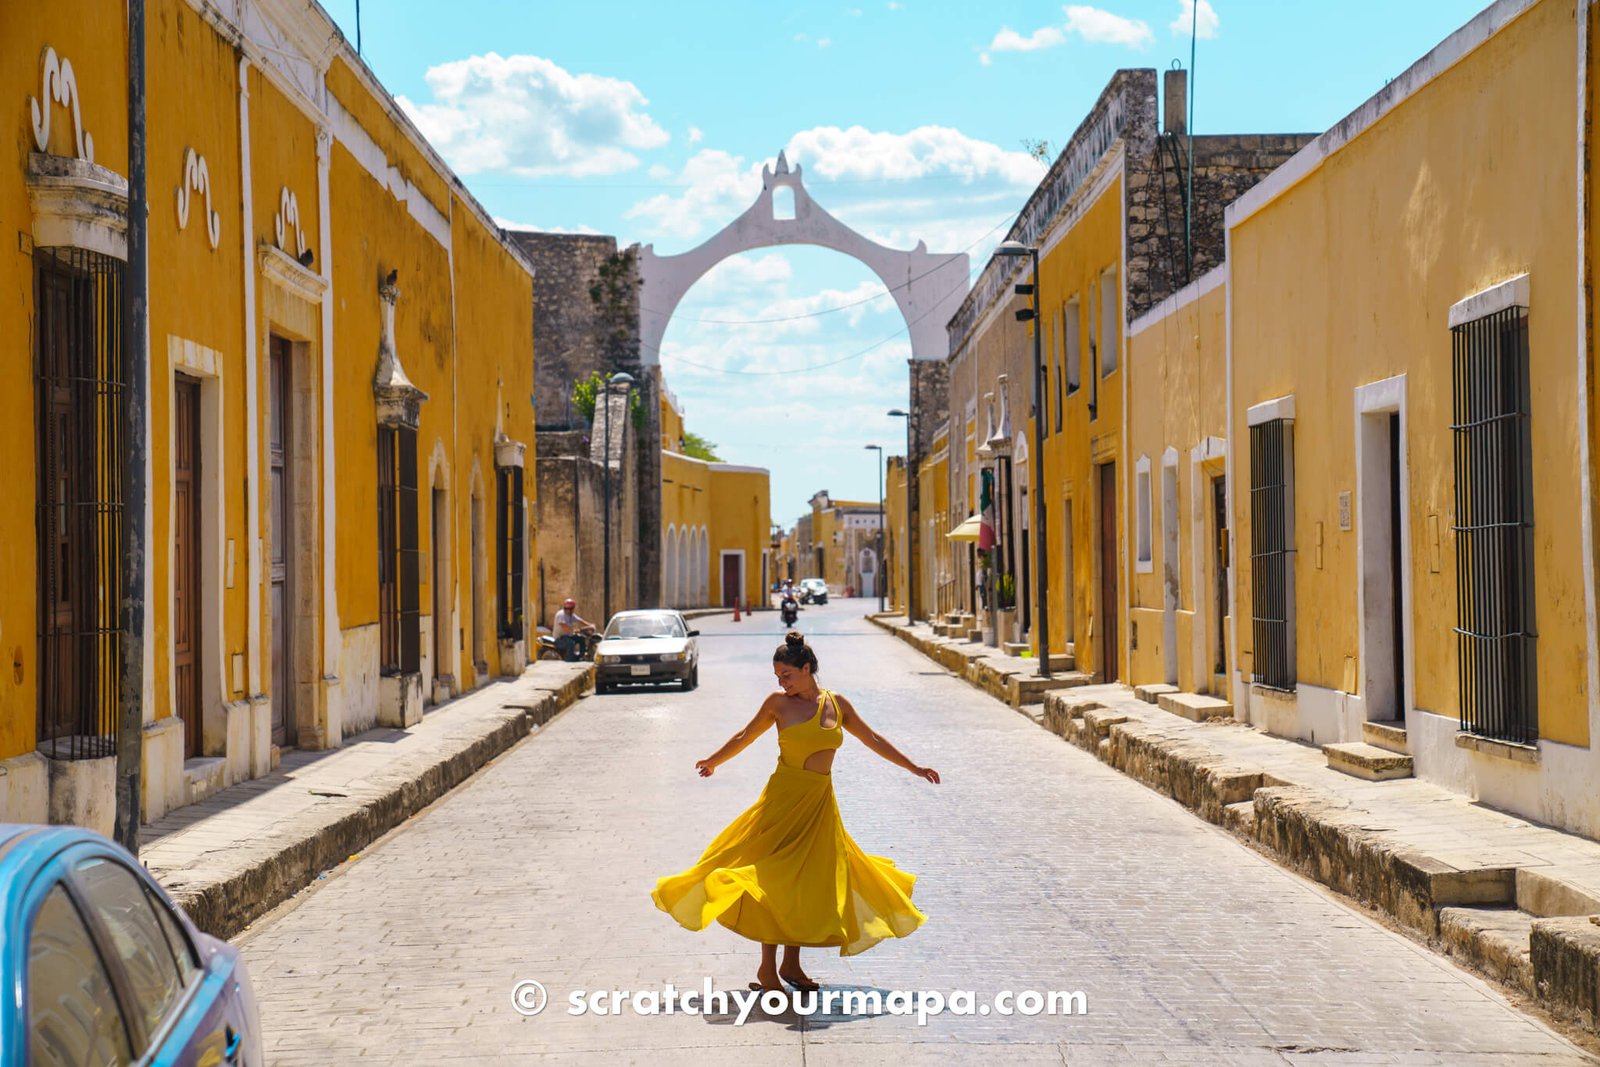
927,287
439,678
685,571
669,557
703,561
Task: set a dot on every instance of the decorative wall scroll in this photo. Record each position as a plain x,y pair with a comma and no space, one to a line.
58,83
287,222
197,178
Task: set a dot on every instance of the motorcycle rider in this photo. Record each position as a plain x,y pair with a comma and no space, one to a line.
789,607
571,631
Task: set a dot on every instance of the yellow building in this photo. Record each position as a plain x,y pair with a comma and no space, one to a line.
1411,484
716,525
1179,613
339,361
844,545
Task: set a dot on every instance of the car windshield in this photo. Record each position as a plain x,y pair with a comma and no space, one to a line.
654,624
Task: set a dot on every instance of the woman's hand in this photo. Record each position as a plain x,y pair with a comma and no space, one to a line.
705,767
927,772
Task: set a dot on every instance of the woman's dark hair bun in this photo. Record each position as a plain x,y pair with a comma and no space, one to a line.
795,652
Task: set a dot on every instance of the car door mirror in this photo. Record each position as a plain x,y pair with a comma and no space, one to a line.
694,633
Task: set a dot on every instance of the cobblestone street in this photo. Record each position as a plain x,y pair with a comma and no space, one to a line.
1039,868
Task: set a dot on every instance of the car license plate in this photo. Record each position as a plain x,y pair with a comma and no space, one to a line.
639,670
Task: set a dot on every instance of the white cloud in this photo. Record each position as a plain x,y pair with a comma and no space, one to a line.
823,42
512,224
696,135
1103,27
526,115
1189,13
1009,40
980,182
719,186
1092,24
932,183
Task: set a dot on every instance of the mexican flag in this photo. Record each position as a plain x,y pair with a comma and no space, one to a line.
986,511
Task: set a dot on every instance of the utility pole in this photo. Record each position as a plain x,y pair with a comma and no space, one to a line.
136,402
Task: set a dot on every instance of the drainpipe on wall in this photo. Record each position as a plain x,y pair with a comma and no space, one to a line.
136,344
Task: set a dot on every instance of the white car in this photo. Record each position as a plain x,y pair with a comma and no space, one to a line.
647,646
813,591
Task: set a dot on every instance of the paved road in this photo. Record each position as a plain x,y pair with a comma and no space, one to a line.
1039,869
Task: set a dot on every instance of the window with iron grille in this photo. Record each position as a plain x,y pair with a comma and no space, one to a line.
1494,527
80,395
1272,553
399,594
508,535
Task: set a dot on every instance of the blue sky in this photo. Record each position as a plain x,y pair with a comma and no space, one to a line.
651,121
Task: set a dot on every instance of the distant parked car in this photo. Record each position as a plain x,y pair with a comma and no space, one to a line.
100,966
813,591
647,646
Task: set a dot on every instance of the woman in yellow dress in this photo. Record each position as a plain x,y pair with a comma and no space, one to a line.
785,872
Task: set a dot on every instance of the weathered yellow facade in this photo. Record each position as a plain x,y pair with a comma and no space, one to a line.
1178,603
284,186
1449,197
715,525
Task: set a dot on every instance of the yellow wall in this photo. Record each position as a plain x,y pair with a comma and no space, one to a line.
1177,399
463,332
1073,268
95,47
894,517
732,504
1316,312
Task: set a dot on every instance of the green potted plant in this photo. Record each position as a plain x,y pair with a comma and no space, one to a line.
1005,599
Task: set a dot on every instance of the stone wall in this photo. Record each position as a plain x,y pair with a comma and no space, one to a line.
1226,166
571,489
586,319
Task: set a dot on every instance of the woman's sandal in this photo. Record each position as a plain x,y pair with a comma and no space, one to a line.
804,987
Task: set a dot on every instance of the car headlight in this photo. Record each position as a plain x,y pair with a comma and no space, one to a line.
610,659
673,657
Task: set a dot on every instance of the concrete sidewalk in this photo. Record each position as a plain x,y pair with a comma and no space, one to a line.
1518,901
234,856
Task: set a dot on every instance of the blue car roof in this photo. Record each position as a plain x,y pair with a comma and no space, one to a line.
24,849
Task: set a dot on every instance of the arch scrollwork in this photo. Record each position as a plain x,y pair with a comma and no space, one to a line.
59,84
197,179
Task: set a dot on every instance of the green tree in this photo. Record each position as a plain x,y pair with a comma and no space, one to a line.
586,396
697,447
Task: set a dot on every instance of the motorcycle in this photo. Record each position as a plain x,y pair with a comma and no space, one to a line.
577,647
790,610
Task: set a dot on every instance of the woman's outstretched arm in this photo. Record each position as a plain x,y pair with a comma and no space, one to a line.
855,724
736,744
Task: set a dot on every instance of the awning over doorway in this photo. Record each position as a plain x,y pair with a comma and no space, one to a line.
967,531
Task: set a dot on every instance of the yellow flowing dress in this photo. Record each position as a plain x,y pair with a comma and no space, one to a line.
785,872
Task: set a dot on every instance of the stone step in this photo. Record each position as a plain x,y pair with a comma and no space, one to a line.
1362,760
1014,648
1030,688
1389,735
1194,706
1494,940
1150,693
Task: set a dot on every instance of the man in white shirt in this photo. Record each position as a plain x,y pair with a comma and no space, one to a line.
569,627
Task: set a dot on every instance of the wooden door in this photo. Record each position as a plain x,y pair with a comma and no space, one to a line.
1219,595
730,580
186,633
1111,632
1396,574
282,552
65,575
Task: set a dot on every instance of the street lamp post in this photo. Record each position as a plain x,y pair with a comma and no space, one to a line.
625,380
1041,580
906,549
879,561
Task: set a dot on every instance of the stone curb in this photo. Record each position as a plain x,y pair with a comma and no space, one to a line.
1468,913
224,903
